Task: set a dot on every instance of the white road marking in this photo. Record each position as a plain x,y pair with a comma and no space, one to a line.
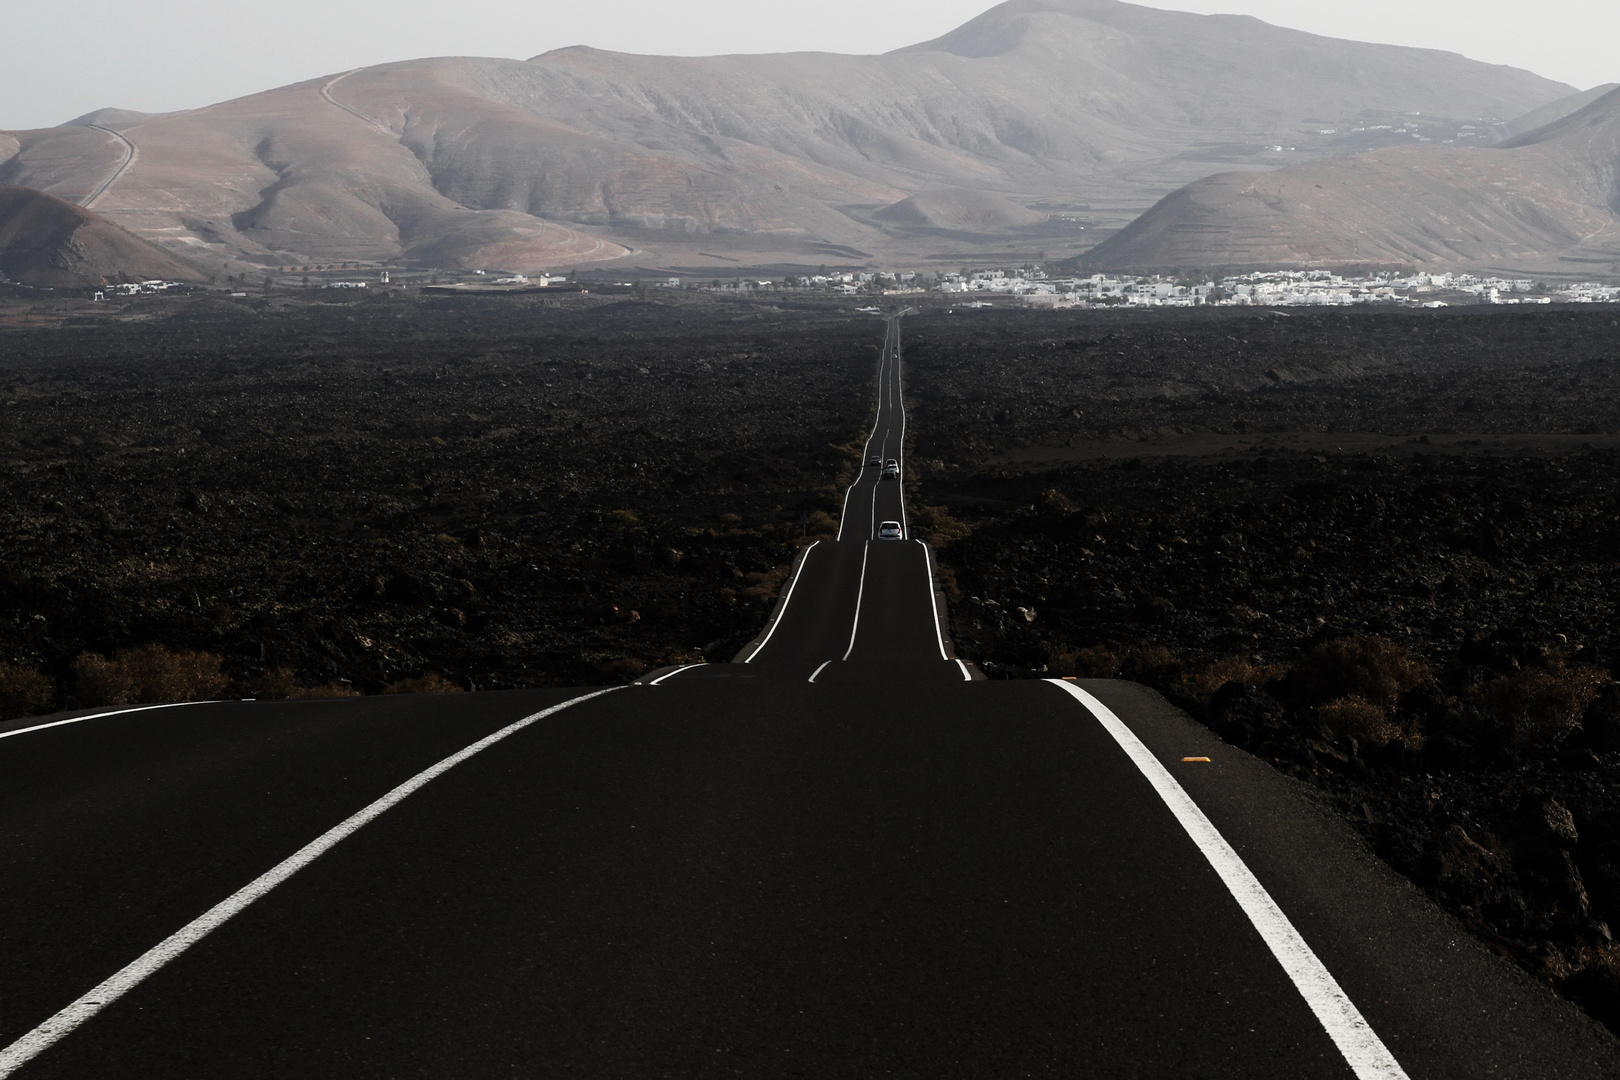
1363,1050
967,676
888,398
671,674
933,600
63,1023
786,600
855,626
845,515
866,453
819,670
905,519
99,715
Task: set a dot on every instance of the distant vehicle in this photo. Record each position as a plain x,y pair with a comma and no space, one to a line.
874,462
891,471
890,530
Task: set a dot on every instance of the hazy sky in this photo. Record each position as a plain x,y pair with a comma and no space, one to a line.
60,60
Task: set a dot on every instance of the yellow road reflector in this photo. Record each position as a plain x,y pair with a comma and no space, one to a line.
1070,678
1195,759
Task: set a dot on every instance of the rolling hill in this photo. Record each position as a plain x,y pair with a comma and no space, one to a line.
1546,202
1066,117
45,241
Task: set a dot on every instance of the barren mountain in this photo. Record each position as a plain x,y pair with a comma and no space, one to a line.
1545,202
45,241
1068,117
1556,110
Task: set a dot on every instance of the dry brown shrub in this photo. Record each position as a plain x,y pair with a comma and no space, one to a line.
936,525
1369,668
1359,717
822,523
1245,670
147,674
1143,661
282,683
1091,662
1062,664
851,453
1539,707
325,690
99,681
624,668
161,675
430,683
24,692
764,589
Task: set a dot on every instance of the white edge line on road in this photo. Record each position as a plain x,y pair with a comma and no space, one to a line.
99,715
855,626
819,670
967,676
671,674
933,599
900,402
883,358
110,990
786,600
1363,1050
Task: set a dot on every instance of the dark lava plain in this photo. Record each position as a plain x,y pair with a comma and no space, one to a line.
1378,549
1375,548
504,492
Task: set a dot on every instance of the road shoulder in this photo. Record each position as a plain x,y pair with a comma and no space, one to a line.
1442,1002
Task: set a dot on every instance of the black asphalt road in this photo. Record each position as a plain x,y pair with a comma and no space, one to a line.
859,608
872,499
891,871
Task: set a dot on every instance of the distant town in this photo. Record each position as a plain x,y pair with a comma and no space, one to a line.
1036,288
1025,287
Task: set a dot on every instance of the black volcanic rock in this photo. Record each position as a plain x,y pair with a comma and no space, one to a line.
1391,572
511,491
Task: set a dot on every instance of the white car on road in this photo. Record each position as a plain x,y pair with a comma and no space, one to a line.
890,530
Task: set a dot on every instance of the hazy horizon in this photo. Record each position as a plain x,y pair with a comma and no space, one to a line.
170,55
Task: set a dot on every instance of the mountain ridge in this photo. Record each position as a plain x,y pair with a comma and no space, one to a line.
1082,111
1545,202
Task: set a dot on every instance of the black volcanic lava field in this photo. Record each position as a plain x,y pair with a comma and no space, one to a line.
1376,548
500,495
